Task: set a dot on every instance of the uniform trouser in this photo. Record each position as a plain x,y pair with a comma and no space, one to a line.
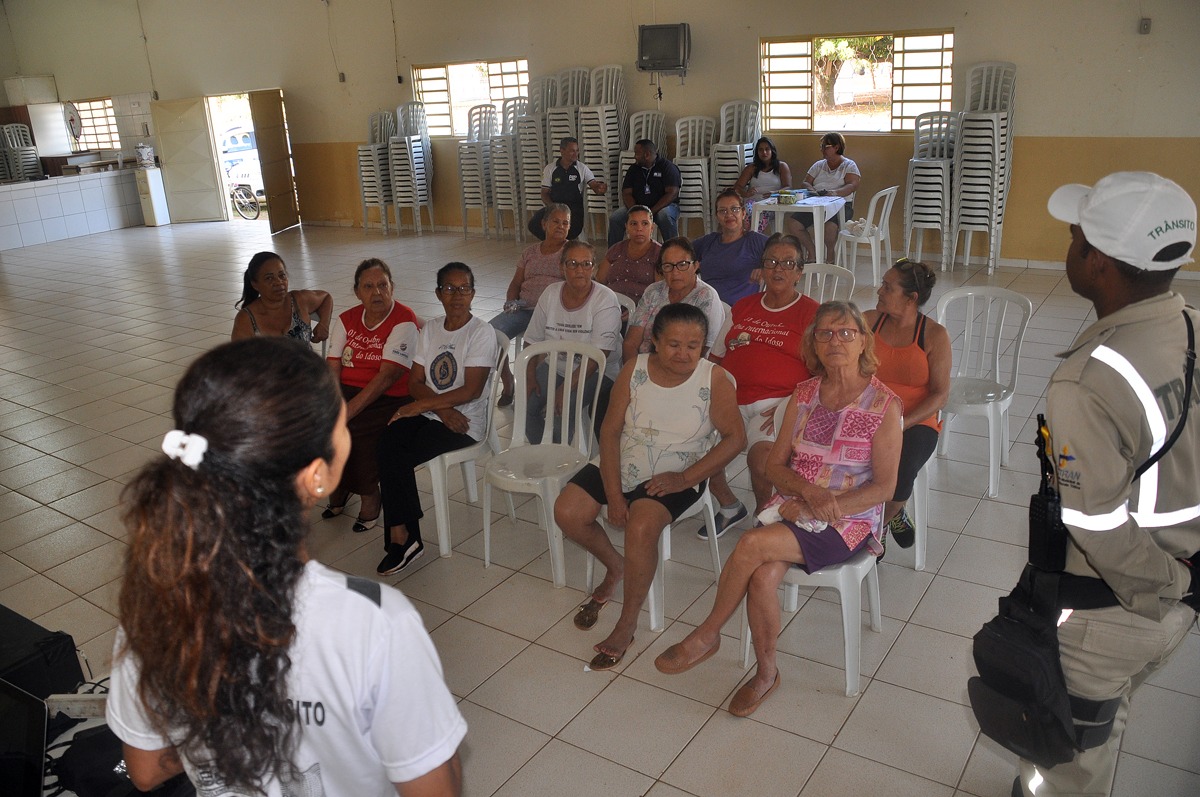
1106,654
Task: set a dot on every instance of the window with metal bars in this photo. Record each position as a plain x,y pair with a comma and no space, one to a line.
864,82
449,91
98,123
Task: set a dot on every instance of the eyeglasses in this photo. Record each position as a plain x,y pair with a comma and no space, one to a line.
682,265
845,334
453,290
730,211
786,265
583,265
904,264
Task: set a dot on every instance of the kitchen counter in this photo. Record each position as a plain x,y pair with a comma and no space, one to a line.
40,211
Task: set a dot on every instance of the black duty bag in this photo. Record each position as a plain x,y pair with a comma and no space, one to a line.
93,765
41,662
1020,695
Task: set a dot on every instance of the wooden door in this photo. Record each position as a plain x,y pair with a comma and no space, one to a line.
195,186
275,158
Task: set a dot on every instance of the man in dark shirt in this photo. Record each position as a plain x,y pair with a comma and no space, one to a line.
563,182
652,181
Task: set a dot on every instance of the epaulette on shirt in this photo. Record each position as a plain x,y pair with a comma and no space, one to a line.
366,587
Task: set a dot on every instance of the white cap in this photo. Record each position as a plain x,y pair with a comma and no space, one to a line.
1132,217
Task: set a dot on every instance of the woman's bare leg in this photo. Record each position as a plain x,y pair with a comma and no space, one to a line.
767,545
647,519
756,459
762,608
575,512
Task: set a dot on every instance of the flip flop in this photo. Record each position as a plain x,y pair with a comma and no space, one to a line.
671,661
588,614
603,661
744,703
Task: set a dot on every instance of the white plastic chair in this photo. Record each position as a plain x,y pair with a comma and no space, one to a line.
648,124
657,599
878,233
543,469
846,579
920,516
984,379
694,136
439,466
824,282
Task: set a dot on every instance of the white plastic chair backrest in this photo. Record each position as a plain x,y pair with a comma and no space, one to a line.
934,134
739,121
648,124
481,122
573,355
627,303
410,119
694,136
574,86
382,127
824,282
994,322
543,94
510,110
495,384
879,212
606,84
18,135
991,86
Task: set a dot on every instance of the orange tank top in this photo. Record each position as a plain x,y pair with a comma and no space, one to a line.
905,369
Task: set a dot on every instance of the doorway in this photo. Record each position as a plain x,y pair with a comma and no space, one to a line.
237,156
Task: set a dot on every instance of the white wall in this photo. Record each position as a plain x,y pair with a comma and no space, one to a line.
1083,69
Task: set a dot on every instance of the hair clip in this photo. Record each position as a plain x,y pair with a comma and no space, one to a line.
187,448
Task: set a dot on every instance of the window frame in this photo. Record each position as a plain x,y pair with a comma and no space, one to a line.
507,78
98,126
906,102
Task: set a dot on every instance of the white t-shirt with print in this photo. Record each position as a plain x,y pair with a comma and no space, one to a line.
446,356
597,321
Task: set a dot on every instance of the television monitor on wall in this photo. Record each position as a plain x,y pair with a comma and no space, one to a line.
664,48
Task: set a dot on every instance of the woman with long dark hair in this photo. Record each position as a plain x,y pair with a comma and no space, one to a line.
267,307
240,660
766,174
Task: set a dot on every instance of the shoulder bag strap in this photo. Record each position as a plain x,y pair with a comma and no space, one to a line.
1189,365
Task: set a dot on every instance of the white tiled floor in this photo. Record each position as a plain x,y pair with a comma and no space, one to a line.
96,330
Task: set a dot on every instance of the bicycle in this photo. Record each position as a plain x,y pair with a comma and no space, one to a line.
244,202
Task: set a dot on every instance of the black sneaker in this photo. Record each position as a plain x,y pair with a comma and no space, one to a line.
902,530
724,522
400,556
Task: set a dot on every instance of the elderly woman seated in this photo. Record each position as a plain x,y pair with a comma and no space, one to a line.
655,454
576,309
833,465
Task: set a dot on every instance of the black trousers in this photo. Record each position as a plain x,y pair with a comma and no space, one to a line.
405,445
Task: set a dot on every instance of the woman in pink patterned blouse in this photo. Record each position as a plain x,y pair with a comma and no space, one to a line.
833,465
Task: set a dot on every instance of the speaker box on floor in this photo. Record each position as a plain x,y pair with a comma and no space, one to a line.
39,661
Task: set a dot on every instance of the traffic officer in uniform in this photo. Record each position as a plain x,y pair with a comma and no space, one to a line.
1121,394
564,182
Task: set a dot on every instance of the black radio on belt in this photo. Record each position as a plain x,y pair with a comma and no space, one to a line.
1047,534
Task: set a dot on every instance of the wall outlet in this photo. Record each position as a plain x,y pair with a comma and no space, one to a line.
1144,25
341,77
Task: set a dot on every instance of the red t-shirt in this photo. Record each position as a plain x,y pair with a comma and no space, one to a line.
361,349
762,349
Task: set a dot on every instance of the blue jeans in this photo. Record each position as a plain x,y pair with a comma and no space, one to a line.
514,323
667,220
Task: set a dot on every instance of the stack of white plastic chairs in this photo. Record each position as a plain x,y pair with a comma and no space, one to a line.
411,162
374,169
983,158
505,166
735,148
928,191
474,164
694,139
532,157
20,155
601,139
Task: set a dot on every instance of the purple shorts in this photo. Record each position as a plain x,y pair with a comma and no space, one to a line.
822,548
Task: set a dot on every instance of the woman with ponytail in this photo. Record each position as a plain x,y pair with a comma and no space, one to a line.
240,660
